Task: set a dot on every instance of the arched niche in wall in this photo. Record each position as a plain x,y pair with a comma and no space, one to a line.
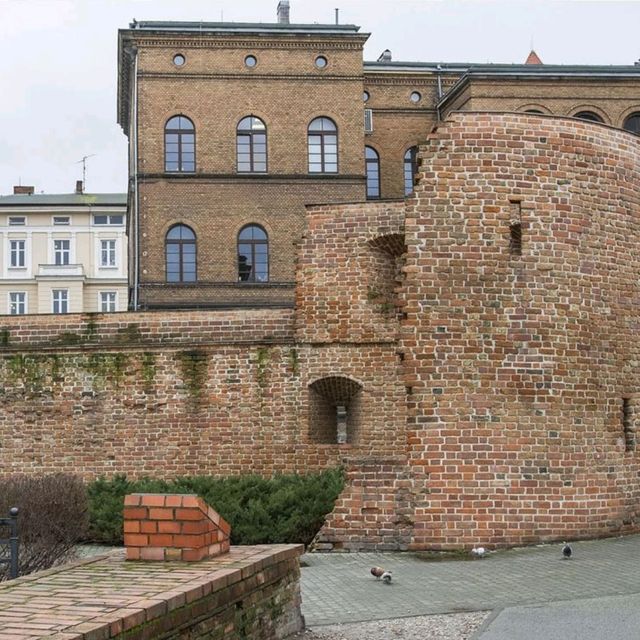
335,410
386,255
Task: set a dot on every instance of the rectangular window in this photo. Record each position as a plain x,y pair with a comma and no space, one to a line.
17,303
17,221
17,253
107,253
108,220
61,220
107,301
62,252
60,300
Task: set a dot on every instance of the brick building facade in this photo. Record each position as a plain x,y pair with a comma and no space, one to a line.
229,141
469,355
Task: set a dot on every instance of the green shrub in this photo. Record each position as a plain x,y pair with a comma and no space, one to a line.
286,508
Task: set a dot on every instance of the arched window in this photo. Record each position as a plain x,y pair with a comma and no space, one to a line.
180,250
323,146
632,123
179,145
253,254
536,111
588,115
410,169
372,168
251,145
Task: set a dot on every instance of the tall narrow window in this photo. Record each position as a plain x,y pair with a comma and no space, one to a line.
410,169
60,300
322,138
253,254
251,145
17,303
179,145
372,167
107,253
61,252
17,253
627,425
515,229
180,247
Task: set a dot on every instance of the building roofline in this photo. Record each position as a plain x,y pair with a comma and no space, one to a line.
64,200
540,72
242,27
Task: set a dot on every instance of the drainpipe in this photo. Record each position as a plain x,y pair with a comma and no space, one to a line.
438,70
136,203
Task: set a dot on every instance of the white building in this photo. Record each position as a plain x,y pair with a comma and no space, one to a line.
62,253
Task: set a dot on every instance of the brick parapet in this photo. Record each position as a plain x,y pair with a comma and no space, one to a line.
162,329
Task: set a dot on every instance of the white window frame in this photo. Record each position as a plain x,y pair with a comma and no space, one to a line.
112,253
16,221
11,302
109,222
102,301
20,254
62,300
63,252
61,221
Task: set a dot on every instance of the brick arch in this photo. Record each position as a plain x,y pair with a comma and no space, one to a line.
536,106
592,108
335,410
385,261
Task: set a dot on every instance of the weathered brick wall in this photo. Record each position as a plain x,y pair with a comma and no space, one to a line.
346,273
218,393
517,365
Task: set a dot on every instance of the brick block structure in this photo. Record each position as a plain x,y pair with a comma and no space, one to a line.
173,527
469,355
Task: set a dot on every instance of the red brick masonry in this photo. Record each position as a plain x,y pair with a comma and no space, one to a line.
172,527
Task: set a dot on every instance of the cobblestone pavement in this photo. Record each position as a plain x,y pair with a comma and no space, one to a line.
338,588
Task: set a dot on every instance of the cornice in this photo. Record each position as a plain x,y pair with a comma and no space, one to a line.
159,75
211,42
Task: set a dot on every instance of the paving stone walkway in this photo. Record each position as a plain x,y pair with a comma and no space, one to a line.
338,588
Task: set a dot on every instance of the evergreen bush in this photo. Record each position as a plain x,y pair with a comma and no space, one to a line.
281,509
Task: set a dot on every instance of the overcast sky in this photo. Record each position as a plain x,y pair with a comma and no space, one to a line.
58,61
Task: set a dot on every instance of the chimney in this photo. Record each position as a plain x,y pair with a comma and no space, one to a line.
79,187
19,190
283,12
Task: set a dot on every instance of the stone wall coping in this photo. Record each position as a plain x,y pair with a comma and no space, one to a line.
103,597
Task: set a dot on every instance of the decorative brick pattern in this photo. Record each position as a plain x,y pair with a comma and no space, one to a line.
250,592
173,527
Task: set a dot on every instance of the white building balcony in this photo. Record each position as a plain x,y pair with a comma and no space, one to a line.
60,271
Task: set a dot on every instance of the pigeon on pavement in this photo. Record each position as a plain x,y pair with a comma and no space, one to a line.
478,552
377,572
386,577
567,551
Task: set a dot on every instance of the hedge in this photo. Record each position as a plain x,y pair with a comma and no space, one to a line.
282,509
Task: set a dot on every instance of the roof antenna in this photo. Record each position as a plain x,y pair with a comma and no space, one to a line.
337,16
84,169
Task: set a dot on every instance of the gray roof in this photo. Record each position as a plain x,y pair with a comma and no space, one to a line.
244,27
64,199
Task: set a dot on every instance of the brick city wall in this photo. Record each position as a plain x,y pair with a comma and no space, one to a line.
490,344
520,342
183,393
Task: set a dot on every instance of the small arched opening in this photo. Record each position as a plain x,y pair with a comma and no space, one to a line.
335,410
